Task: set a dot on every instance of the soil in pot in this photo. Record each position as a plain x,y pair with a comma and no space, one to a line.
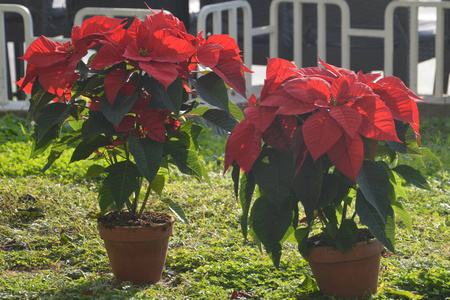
354,274
136,245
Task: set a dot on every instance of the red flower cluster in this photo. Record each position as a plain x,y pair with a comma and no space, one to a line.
159,46
321,111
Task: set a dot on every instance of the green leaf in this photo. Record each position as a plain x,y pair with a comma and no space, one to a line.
410,146
307,185
384,150
401,211
198,111
90,85
413,176
148,155
53,113
330,213
373,181
59,147
235,176
309,285
39,146
77,122
105,198
301,234
329,192
187,160
288,234
122,105
330,231
86,148
397,186
182,147
187,134
404,294
176,93
176,209
429,154
274,171
122,181
98,124
83,70
94,171
344,188
158,183
235,111
39,99
220,121
270,223
248,184
212,89
382,227
346,235
406,135
160,97
170,99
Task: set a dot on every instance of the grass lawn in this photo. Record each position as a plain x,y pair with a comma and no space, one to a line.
56,253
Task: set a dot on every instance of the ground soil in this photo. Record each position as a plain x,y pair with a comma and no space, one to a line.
125,219
319,240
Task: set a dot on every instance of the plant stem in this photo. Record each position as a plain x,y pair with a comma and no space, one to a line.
147,195
137,193
128,204
127,152
344,212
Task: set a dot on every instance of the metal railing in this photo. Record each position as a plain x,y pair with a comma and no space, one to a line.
7,104
248,32
140,13
387,34
232,8
414,42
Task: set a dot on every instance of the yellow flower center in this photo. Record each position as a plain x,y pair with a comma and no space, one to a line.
143,51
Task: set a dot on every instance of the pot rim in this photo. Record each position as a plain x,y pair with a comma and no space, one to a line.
328,254
154,226
135,233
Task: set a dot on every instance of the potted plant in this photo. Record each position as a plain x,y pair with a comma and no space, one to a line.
330,140
132,108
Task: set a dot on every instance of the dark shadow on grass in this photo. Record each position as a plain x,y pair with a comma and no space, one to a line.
102,286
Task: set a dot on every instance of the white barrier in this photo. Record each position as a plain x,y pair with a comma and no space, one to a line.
5,103
232,8
10,104
387,34
272,29
414,42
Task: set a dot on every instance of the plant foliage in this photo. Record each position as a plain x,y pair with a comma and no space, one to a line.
131,104
328,139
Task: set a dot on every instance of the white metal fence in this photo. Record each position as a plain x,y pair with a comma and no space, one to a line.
232,7
387,34
7,104
414,42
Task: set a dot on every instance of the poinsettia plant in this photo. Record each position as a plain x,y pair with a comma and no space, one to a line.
330,140
128,88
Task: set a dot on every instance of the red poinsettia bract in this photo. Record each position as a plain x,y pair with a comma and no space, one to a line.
324,111
55,63
159,46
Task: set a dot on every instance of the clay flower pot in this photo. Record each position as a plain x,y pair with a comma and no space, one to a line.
354,274
137,253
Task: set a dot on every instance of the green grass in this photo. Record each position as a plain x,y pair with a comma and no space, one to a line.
60,255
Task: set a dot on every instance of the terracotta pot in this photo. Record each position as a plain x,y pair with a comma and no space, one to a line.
354,274
136,253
